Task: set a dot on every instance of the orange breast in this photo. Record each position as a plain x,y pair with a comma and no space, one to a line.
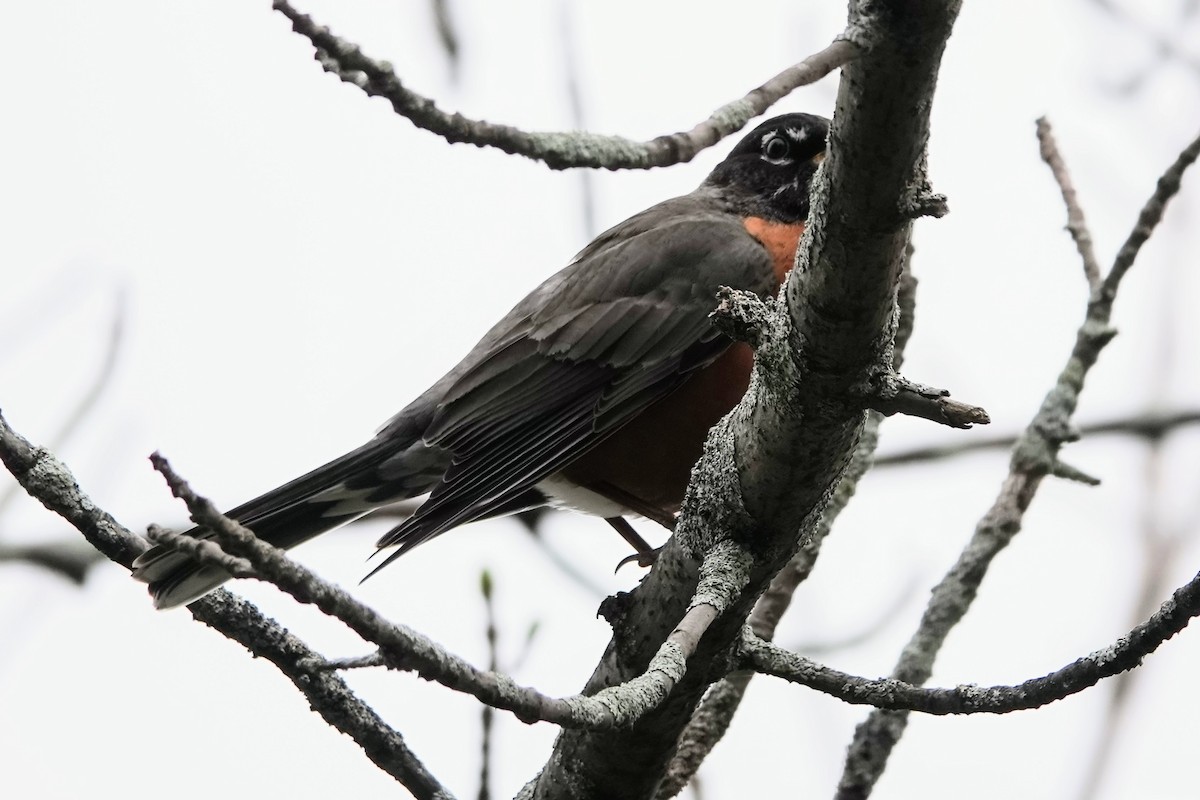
780,239
651,458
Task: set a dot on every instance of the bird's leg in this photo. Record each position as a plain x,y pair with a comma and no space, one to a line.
645,554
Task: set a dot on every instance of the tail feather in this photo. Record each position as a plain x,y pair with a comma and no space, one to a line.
329,496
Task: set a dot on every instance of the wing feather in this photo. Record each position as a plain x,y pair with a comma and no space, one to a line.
617,331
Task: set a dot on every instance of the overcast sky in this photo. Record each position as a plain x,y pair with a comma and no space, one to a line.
292,263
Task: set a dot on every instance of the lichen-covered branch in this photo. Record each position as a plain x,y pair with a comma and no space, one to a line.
560,150
771,466
47,480
711,719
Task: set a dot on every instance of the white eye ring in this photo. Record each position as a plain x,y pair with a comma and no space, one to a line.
776,148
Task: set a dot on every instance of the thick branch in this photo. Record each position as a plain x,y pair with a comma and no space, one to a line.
708,725
770,467
560,150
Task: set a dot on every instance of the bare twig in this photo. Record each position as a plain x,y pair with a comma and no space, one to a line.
574,85
1160,541
447,33
1034,457
326,693
894,394
70,558
886,615
1151,213
376,659
563,564
564,149
1152,425
48,480
485,749
95,390
1164,46
1124,654
204,550
1075,220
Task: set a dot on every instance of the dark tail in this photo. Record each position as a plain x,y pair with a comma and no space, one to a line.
334,494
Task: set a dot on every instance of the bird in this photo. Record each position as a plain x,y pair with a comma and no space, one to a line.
594,393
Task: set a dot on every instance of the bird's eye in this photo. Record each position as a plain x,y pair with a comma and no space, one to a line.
776,148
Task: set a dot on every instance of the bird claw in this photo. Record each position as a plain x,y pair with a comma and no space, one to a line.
644,559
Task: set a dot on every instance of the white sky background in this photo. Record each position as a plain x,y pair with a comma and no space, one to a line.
297,262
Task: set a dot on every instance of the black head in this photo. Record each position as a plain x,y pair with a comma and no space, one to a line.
769,172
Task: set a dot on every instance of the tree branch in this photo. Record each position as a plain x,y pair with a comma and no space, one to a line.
95,390
49,481
1153,426
708,725
561,150
890,393
770,467
1123,655
69,558
1034,457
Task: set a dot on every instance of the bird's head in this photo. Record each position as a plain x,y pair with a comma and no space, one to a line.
770,172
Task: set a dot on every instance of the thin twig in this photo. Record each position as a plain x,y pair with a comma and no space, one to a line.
70,558
204,550
1160,541
574,85
559,150
1152,426
326,692
1034,457
1124,654
562,562
894,394
95,390
1149,217
447,33
1163,45
487,713
1076,223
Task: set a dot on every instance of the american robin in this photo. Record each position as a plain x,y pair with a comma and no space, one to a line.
594,393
